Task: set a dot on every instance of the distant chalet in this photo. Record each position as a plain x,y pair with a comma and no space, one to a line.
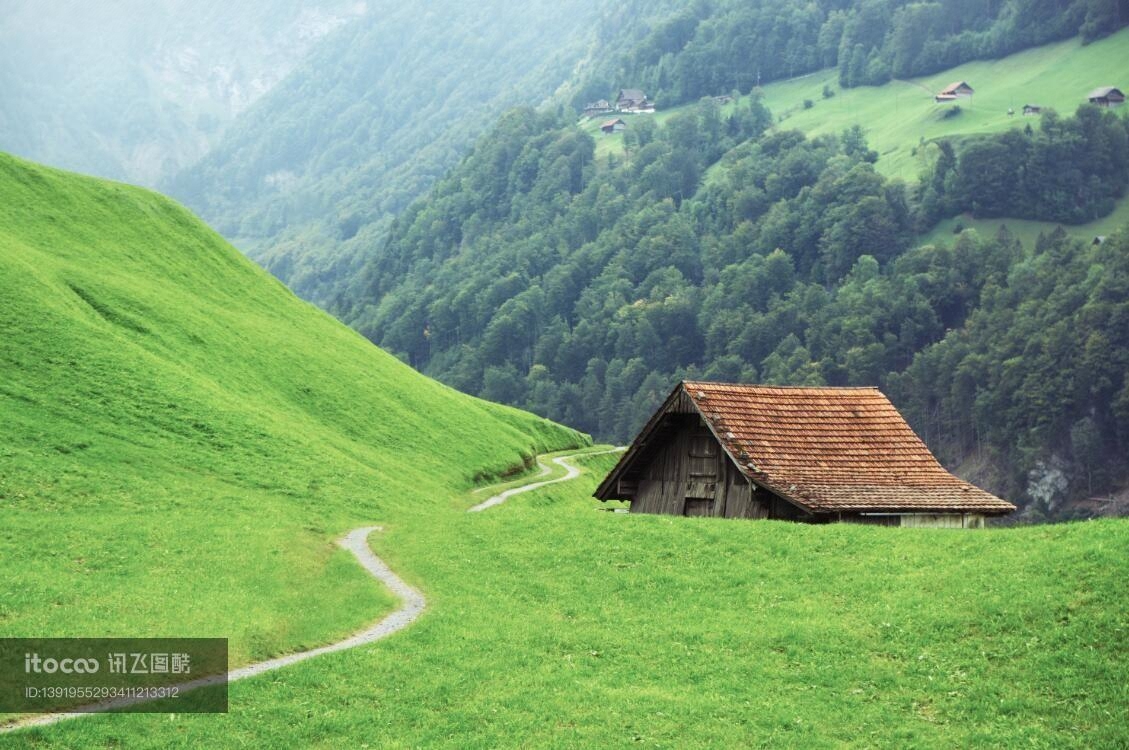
633,100
952,92
1106,96
802,454
600,107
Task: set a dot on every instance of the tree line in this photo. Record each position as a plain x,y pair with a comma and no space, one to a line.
724,45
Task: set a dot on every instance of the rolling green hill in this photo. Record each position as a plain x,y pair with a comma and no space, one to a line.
182,439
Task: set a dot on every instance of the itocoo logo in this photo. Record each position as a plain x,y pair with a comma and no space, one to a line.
32,663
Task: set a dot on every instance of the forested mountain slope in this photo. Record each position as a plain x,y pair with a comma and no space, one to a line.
537,275
139,89
183,439
308,181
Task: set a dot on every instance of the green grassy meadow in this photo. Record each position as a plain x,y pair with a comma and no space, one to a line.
900,115
183,439
554,624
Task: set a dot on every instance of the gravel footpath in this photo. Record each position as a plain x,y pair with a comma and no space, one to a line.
571,472
356,541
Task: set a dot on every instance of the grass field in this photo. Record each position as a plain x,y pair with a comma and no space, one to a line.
182,439
900,115
552,624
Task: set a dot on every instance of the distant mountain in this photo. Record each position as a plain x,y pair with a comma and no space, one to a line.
307,182
308,179
139,89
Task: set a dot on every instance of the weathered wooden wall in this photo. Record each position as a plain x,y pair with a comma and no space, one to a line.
918,520
943,520
690,475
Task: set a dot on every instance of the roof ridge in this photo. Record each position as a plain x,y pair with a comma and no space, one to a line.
786,387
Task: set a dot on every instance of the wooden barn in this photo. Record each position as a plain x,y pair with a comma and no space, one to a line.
613,126
1106,96
592,109
803,454
633,100
952,92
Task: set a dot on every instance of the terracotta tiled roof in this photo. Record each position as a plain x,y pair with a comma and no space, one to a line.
833,449
953,87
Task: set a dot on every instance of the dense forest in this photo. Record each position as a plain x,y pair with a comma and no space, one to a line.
308,180
1068,170
723,45
538,275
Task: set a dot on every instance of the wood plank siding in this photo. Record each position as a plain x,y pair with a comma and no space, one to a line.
689,475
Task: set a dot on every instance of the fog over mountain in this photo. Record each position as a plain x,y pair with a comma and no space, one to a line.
138,89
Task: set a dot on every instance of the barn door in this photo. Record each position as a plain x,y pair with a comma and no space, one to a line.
701,484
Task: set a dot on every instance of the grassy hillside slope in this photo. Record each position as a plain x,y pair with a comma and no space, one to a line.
554,625
182,439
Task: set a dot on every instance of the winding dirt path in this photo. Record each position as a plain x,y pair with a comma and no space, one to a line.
571,472
412,603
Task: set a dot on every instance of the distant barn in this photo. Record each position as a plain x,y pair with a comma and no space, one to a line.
1032,109
633,100
1106,96
613,126
801,454
599,107
952,92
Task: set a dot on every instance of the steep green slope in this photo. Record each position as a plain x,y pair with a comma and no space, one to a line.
182,439
554,625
